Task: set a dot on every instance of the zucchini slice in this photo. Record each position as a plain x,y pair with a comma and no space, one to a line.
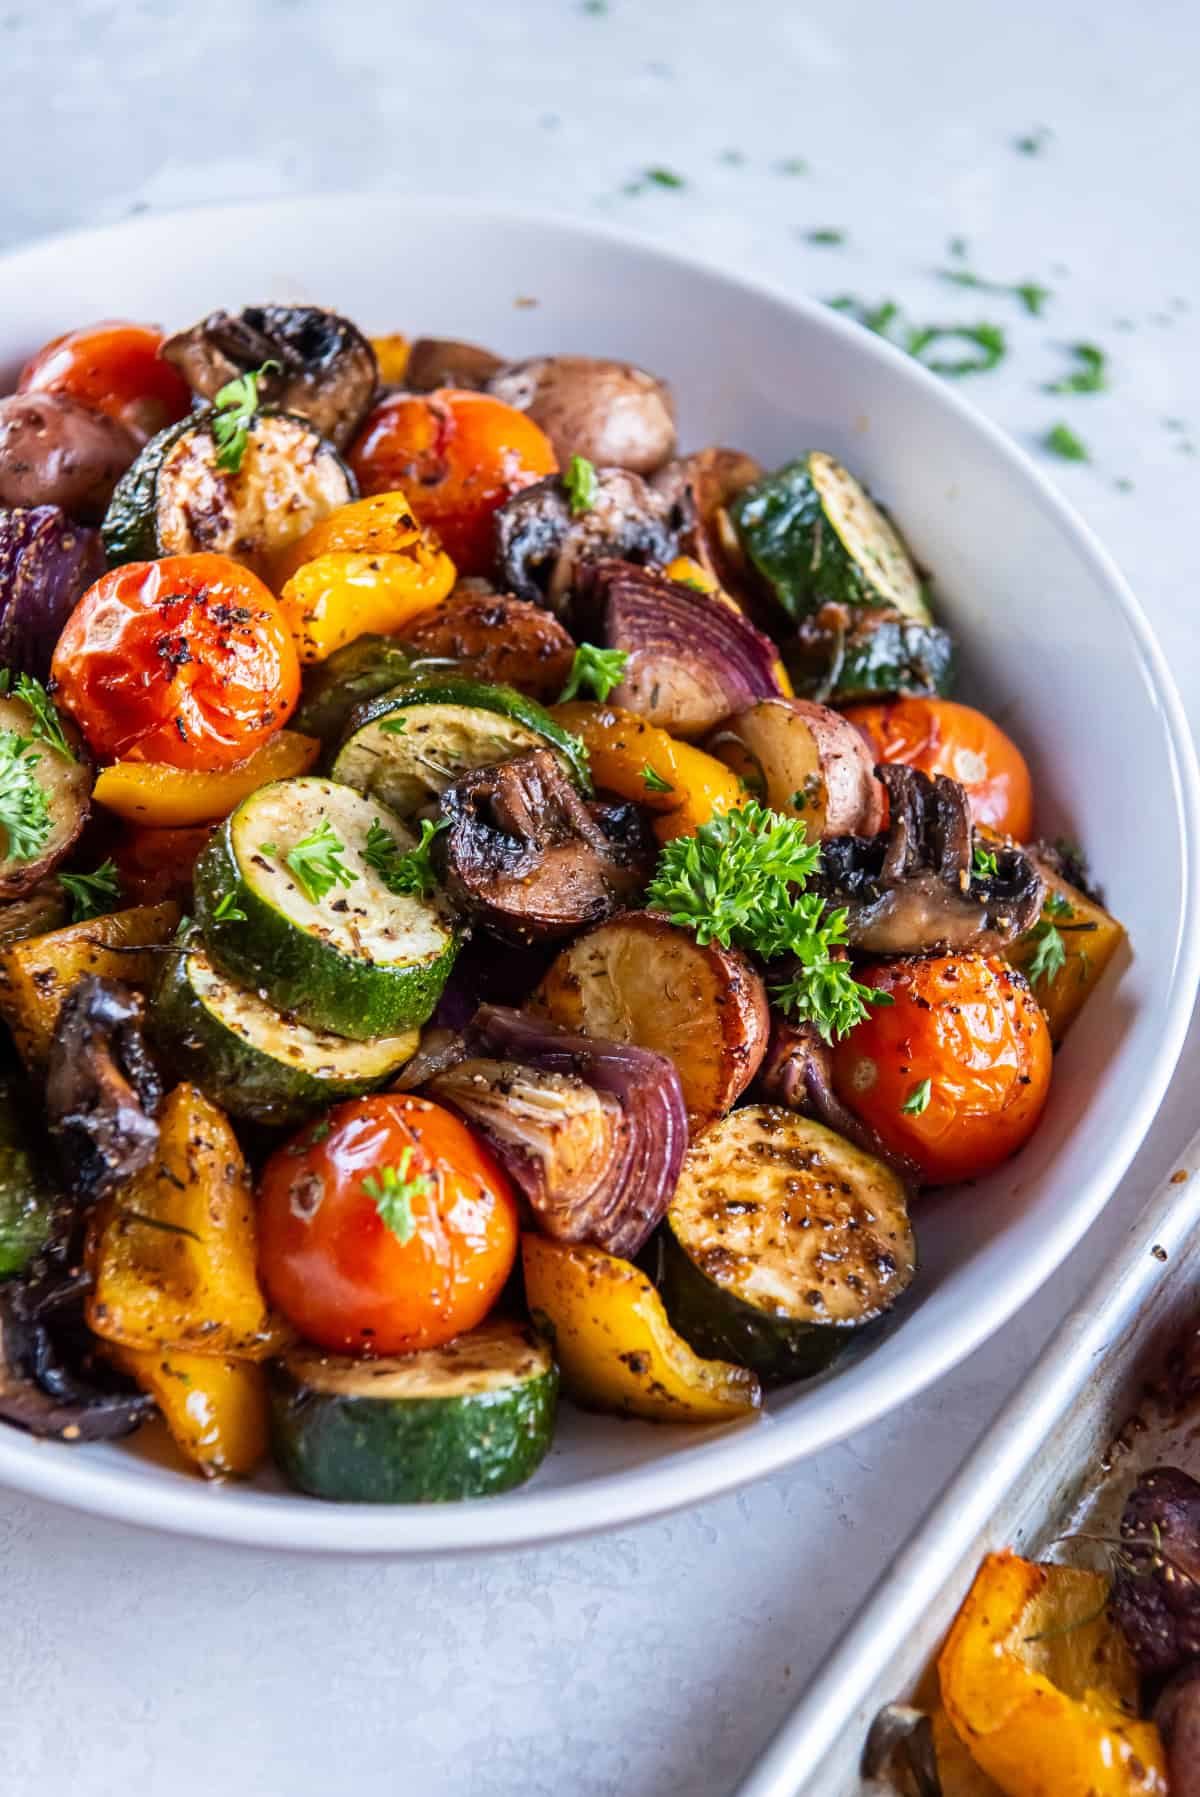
27,1196
461,1421
332,688
361,961
176,500
816,536
253,1061
839,656
782,1243
406,747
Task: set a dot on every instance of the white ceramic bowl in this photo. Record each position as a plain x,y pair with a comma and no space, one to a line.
1055,647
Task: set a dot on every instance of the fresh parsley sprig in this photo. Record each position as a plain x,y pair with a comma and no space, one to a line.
403,871
24,807
47,724
393,1193
234,408
654,782
93,895
597,670
739,882
316,861
1089,374
984,865
580,484
228,910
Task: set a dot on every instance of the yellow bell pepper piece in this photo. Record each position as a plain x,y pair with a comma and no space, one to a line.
216,1410
1091,937
338,597
1040,1688
150,792
614,1346
382,524
392,355
174,1254
639,761
37,974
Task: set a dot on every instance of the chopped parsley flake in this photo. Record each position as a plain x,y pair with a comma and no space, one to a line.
1061,440
1088,376
917,1102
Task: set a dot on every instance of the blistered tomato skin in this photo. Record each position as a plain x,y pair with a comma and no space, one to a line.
350,1281
458,457
185,660
971,1027
940,736
114,368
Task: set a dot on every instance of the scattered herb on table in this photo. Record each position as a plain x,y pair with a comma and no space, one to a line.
1061,440
1032,294
1032,143
1089,374
827,236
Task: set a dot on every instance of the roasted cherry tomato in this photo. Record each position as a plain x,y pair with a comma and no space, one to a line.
186,660
954,1072
385,1227
457,456
942,737
115,369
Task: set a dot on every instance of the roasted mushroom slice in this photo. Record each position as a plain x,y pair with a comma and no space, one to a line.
1177,1714
47,1386
529,859
444,362
692,659
613,413
797,1072
915,889
102,1087
704,484
325,368
541,542
592,1132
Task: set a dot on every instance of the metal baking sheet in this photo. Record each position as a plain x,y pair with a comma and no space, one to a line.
1058,1459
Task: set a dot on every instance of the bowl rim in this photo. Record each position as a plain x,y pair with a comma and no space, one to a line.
720,1462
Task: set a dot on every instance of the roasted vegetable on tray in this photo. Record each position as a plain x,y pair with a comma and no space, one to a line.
489,896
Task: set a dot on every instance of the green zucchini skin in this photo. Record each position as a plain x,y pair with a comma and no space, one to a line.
131,526
368,666
130,530
300,973
787,524
27,1197
242,1075
364,759
838,656
412,1450
813,1231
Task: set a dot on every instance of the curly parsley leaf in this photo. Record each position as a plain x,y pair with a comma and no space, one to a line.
579,483
1031,294
234,408
917,1102
654,782
735,882
988,339
597,670
47,725
1049,955
393,1193
403,871
24,808
316,861
92,895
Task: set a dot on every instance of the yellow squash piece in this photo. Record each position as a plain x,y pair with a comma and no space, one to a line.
215,1409
150,792
392,355
638,761
1041,1690
957,1771
330,601
614,1346
174,1254
37,974
382,524
1090,936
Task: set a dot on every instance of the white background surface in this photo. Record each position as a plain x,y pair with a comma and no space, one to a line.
658,1659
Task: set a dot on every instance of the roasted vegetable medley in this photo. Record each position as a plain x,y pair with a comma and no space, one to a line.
487,901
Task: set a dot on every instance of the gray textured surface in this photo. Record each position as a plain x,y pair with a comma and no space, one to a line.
655,1660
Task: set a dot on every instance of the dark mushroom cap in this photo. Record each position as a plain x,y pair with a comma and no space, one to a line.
102,1087
529,859
541,542
912,889
327,369
48,1384
1156,1587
